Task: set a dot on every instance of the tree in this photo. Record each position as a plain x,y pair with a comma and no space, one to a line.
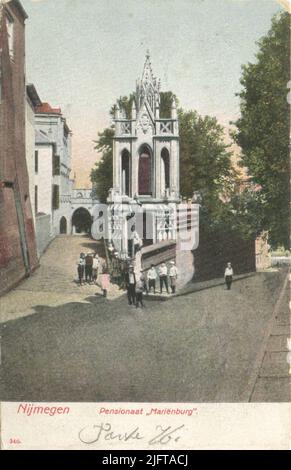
205,162
102,174
204,157
263,129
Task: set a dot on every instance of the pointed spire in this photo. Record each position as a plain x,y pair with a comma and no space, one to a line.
147,89
174,109
116,112
133,110
157,107
147,76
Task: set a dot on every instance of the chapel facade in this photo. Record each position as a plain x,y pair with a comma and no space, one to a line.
145,169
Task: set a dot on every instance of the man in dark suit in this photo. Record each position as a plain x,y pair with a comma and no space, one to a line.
130,282
88,267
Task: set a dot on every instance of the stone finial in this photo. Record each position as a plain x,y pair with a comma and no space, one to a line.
174,109
157,108
117,111
133,110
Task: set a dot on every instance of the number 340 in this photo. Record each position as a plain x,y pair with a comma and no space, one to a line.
14,441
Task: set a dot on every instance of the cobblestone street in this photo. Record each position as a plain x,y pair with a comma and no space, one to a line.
62,342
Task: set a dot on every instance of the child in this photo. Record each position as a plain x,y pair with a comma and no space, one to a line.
139,290
228,276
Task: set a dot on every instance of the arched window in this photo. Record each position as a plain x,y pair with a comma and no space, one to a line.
63,225
145,171
125,172
165,170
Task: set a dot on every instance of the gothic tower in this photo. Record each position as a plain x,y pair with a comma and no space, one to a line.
145,169
146,147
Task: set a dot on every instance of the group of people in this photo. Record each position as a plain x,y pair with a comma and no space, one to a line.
88,267
164,274
136,287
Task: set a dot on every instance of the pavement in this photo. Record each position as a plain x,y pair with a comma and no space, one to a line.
62,342
195,287
56,281
272,382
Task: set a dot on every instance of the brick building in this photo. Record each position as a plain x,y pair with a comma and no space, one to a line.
18,256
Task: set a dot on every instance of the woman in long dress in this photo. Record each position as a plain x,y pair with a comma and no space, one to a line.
105,281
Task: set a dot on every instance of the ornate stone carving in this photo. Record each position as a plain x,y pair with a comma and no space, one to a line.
145,123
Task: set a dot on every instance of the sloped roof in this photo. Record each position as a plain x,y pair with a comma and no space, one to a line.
45,108
33,95
17,4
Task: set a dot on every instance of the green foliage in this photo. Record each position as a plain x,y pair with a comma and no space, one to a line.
263,129
125,103
205,164
102,173
166,100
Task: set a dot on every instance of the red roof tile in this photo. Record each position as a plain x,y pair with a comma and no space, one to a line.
45,108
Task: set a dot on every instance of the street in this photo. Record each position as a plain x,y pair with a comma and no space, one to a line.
63,342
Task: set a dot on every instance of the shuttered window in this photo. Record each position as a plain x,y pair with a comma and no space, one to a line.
56,165
56,197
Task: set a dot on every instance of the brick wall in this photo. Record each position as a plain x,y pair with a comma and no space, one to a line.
17,233
215,250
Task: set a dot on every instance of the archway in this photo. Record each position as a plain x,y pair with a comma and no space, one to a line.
63,225
81,221
125,171
145,171
165,170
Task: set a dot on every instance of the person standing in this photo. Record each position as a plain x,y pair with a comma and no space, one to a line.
163,273
105,281
152,277
173,275
136,242
95,267
228,276
130,282
139,290
81,269
88,267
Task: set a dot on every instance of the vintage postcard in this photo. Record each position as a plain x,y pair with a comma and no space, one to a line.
145,224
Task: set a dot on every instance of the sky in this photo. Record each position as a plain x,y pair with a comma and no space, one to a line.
83,54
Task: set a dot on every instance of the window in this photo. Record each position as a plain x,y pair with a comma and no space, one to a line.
125,159
36,199
145,171
56,197
36,161
10,34
56,165
165,171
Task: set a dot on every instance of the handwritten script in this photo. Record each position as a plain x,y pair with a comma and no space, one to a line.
162,435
